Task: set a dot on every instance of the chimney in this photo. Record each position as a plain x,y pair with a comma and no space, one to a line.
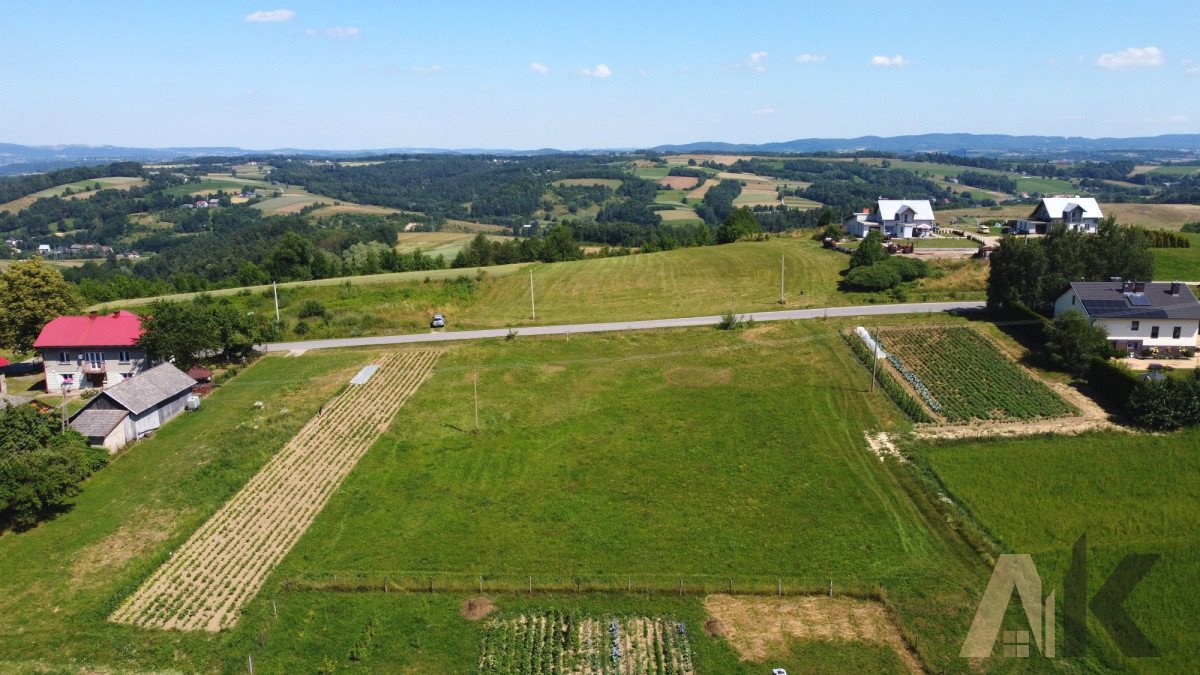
1127,287
1115,279
1176,288
1139,287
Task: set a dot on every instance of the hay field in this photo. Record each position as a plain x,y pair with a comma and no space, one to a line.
678,214
446,244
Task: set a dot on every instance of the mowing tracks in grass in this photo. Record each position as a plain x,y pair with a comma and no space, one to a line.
220,568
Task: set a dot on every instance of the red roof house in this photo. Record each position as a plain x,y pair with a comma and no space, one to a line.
91,352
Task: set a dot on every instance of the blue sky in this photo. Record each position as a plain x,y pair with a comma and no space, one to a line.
352,75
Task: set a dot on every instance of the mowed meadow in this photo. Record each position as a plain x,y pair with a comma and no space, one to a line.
1127,493
741,277
693,460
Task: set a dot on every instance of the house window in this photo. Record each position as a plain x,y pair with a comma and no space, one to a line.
1176,332
1153,332
68,379
123,357
64,357
1134,326
1072,299
95,359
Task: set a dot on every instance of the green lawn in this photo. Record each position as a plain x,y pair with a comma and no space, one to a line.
211,184
1046,186
1178,263
59,581
1126,493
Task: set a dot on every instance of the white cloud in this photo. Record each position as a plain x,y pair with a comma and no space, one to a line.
1194,70
270,16
539,68
1177,119
1134,57
765,111
601,71
341,31
757,62
810,58
426,70
310,32
643,72
896,61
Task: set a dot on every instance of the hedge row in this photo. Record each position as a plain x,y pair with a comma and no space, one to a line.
899,395
1112,381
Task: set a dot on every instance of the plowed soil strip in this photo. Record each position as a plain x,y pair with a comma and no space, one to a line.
221,567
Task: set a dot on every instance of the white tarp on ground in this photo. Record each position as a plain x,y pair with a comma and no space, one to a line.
365,374
870,342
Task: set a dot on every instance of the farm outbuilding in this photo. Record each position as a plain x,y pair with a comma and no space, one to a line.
134,408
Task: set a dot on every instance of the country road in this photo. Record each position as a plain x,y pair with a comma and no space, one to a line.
648,324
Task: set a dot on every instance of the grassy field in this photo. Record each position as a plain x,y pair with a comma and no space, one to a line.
83,190
211,183
1174,170
1181,264
445,244
59,580
612,183
742,277
611,459
1126,493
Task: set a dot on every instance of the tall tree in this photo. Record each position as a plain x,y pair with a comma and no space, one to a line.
870,251
1018,268
31,295
738,224
1072,342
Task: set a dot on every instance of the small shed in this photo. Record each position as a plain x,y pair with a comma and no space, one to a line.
200,374
136,407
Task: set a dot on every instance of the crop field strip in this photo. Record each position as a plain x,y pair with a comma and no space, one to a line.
221,567
962,376
558,643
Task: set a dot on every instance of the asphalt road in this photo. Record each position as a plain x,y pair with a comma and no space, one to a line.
785,315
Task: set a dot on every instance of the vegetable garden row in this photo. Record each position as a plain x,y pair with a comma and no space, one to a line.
962,376
564,643
220,568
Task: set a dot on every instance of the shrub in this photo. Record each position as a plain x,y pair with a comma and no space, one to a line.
1113,381
88,393
730,321
1166,404
301,328
872,278
312,309
907,268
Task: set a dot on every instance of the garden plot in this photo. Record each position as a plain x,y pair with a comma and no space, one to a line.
961,376
220,568
564,643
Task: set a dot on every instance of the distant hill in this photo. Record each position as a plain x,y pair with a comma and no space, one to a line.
970,144
37,158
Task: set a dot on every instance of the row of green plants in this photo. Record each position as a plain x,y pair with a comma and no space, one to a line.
903,400
970,378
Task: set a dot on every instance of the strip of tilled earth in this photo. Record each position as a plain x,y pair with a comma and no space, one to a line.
221,567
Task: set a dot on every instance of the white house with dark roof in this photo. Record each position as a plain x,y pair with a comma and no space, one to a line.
1076,213
128,411
1138,315
903,218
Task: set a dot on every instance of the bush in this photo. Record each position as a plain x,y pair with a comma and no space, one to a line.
301,328
88,393
729,321
907,268
311,309
1113,381
1166,404
872,278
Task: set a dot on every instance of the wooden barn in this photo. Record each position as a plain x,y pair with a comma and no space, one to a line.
128,411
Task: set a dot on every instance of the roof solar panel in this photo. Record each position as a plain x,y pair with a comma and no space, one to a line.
1139,301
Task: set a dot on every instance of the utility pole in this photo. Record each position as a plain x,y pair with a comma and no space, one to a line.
782,301
275,290
532,305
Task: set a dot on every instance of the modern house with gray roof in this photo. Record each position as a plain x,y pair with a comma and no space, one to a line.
1080,214
1138,315
128,411
902,218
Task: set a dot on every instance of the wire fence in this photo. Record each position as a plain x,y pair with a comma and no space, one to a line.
374,581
